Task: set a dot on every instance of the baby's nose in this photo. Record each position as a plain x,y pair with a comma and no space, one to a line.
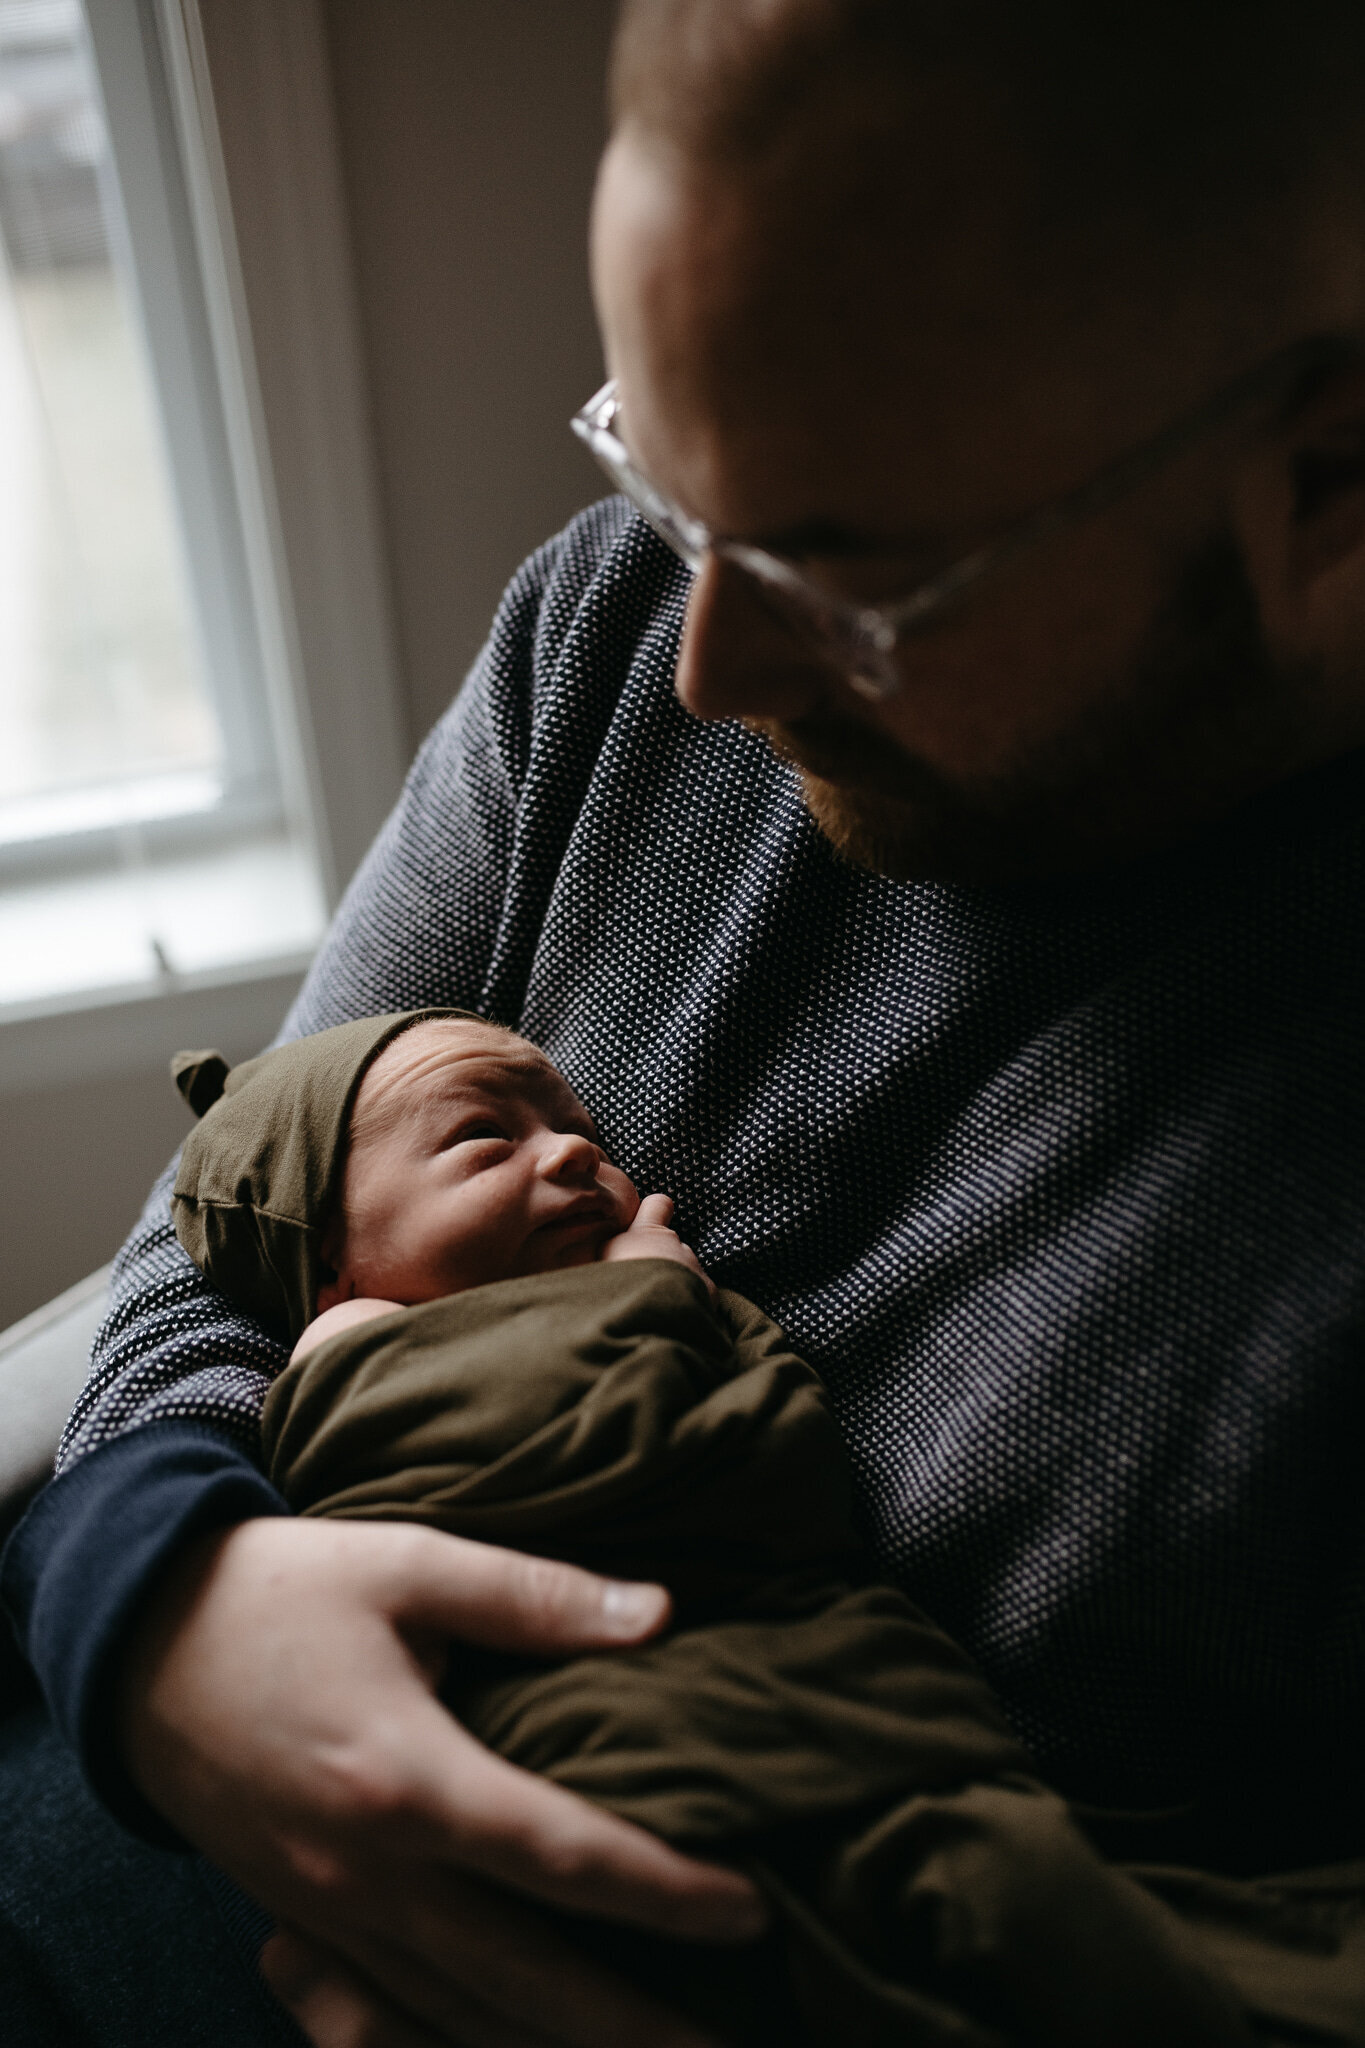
569,1156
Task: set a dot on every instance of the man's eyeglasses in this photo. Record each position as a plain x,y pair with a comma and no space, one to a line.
861,639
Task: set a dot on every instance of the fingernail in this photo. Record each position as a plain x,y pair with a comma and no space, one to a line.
290,1969
750,1917
736,1919
630,1609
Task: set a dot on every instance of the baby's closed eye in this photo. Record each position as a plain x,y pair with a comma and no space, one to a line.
479,1128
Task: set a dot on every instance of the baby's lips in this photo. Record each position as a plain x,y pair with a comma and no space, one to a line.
581,1216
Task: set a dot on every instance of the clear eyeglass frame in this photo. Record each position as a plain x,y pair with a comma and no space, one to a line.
861,639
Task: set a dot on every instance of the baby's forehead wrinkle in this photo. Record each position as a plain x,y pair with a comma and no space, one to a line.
425,1063
424,1046
526,1073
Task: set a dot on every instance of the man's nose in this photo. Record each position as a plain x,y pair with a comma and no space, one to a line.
738,659
566,1155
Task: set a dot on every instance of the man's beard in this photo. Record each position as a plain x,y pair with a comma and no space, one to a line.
1204,715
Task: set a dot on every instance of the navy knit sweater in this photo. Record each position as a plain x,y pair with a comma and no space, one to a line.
1061,1188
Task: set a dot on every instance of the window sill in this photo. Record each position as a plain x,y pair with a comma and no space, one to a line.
110,973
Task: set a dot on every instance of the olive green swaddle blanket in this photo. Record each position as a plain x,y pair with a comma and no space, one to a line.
796,1718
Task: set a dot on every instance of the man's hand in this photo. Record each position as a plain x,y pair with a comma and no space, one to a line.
650,1237
277,1707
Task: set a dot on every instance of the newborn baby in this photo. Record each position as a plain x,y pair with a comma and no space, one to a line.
470,1159
493,1335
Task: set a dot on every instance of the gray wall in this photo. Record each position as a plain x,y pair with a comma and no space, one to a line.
78,1161
469,133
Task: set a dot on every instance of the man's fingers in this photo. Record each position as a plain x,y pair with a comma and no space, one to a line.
503,1600
517,1983
656,1210
549,1843
514,1983
480,1813
331,2003
422,1790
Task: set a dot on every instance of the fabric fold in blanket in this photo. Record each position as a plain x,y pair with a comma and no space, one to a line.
797,1718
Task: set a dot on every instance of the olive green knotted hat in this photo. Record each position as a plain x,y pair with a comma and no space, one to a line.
262,1167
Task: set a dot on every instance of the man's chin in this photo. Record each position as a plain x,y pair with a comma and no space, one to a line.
894,817
931,838
906,840
869,831
878,809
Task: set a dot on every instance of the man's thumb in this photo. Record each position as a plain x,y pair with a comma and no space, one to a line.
503,1600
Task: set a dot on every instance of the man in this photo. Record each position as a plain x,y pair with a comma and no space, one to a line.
999,370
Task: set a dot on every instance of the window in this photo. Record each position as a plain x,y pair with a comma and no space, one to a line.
188,769
146,831
103,694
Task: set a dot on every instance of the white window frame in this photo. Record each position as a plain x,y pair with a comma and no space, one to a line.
248,300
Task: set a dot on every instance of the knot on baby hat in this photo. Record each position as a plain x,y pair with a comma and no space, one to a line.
262,1167
199,1076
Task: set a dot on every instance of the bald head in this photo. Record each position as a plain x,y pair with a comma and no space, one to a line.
1182,120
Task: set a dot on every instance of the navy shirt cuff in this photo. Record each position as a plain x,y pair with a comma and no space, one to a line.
87,1553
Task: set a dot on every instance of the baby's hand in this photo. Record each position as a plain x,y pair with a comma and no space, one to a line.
649,1237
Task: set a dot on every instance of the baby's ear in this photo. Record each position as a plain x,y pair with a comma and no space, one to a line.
334,1282
332,1288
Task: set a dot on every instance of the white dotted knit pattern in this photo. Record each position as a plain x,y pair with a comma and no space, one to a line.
1060,1188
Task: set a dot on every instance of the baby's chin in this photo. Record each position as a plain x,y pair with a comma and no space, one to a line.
581,1255
546,1255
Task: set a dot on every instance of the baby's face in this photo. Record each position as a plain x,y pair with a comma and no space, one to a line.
471,1159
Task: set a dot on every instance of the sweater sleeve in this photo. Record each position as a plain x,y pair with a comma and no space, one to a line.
164,1441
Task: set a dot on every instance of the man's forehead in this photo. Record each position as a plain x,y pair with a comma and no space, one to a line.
932,266
813,398
822,400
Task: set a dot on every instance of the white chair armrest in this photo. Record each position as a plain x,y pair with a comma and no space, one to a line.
43,1364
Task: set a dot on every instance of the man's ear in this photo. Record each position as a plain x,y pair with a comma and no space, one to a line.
1301,512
